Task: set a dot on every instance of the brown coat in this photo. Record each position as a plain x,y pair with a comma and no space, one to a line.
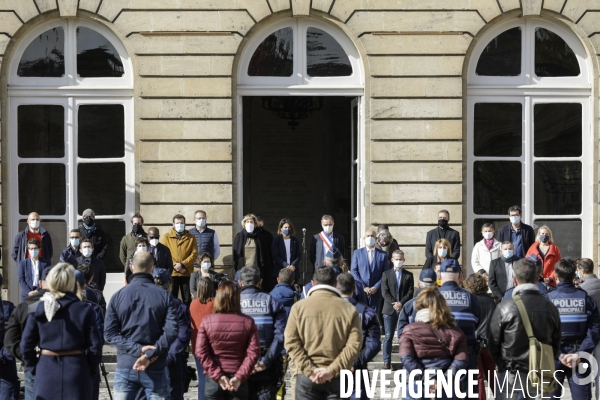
183,250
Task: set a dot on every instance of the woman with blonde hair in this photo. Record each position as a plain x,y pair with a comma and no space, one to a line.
433,341
546,252
251,249
66,331
441,251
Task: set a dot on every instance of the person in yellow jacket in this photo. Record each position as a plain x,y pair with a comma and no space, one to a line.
184,251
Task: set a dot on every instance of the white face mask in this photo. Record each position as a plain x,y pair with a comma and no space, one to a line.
507,253
201,222
34,224
515,219
153,242
205,265
249,227
442,252
87,252
370,241
328,228
34,253
140,249
74,242
488,235
398,264
179,228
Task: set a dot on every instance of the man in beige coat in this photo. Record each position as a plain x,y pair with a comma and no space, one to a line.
323,336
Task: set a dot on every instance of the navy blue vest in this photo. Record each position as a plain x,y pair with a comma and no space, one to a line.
258,306
571,305
205,240
459,300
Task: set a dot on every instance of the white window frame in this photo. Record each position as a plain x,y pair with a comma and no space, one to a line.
529,90
70,92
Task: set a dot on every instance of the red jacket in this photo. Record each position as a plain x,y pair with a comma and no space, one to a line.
552,257
227,344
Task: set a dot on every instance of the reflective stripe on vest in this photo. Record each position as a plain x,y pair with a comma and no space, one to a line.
258,306
571,306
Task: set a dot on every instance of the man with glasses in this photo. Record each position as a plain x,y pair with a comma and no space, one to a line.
443,231
519,233
33,231
206,238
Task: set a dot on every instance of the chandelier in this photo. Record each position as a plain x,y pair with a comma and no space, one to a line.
293,107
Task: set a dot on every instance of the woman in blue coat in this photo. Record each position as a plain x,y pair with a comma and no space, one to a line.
286,250
66,331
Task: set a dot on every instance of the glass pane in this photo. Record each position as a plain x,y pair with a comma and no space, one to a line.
566,234
101,131
58,234
557,187
41,130
478,223
274,56
496,186
114,229
101,187
557,130
502,55
44,57
96,56
497,129
42,188
325,56
553,57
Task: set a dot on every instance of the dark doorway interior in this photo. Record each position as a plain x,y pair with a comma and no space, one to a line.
297,162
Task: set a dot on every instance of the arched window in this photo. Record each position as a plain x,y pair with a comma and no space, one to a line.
529,132
71,131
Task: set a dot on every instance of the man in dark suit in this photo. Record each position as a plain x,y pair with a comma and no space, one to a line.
501,271
86,256
519,233
30,269
323,241
397,286
161,253
368,265
443,231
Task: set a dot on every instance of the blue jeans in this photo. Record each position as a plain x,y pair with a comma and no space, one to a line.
29,381
579,392
128,383
201,380
9,384
390,322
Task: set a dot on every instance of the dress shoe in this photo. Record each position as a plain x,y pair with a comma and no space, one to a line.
387,366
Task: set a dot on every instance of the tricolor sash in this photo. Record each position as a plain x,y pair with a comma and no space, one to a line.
326,240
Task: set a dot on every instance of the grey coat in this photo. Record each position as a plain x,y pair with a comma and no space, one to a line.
591,285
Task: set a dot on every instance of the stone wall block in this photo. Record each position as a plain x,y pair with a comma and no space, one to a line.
416,151
185,151
186,193
185,108
416,172
416,44
416,65
416,129
416,108
185,172
187,130
416,87
413,213
416,193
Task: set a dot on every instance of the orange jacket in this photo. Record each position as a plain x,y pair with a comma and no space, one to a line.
184,250
551,258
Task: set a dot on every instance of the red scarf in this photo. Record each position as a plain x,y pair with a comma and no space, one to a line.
488,243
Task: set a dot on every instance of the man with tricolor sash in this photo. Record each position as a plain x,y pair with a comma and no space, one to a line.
323,241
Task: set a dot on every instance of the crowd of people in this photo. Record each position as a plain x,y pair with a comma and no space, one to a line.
247,331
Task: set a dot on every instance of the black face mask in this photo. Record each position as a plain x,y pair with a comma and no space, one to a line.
443,223
137,229
88,221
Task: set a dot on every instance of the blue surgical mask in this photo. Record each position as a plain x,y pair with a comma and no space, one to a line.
286,232
442,252
205,265
507,253
515,219
179,228
34,253
370,241
544,238
75,242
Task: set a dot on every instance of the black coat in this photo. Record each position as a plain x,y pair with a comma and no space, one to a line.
527,232
497,278
316,250
487,305
16,324
431,261
263,253
449,234
98,239
389,289
280,255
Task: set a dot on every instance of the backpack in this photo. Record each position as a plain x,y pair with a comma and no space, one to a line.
541,356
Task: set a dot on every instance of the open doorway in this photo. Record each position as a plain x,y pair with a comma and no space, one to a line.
298,162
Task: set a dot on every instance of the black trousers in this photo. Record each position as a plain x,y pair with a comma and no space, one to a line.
307,390
183,283
213,391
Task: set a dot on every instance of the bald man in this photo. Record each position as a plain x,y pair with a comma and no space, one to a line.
33,231
161,253
368,265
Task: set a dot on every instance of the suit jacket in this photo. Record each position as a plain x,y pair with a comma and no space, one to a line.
370,275
316,249
527,233
163,257
280,255
390,291
450,234
26,275
99,271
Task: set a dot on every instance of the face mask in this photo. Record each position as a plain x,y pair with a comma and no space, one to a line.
370,241
34,253
201,222
578,274
179,228
87,252
205,265
398,264
507,253
88,221
442,252
383,244
328,228
140,249
137,229
75,242
249,227
515,219
443,223
544,238
488,235
34,224
153,242
286,232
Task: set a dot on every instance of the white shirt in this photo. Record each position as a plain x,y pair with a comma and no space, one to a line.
370,252
509,275
35,274
287,251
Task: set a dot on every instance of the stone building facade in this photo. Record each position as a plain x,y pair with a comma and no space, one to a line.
429,128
